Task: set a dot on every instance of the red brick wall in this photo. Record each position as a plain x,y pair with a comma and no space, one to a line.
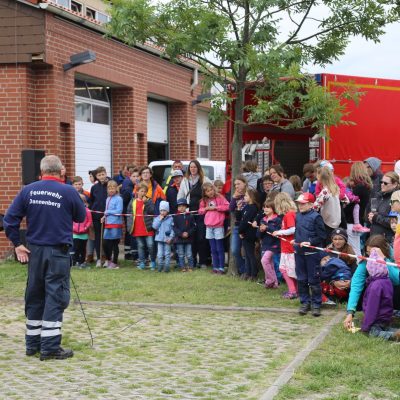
37,103
218,142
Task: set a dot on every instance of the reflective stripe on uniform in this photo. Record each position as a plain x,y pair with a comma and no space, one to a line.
52,324
51,332
33,322
33,332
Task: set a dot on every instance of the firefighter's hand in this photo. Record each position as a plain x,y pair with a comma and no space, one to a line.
305,244
22,254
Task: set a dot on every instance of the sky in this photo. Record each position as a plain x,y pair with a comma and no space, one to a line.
362,58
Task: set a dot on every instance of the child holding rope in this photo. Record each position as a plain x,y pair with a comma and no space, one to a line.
112,225
285,207
310,231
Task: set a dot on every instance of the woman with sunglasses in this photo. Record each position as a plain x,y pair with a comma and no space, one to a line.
378,213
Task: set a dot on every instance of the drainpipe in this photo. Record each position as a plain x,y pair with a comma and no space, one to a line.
195,79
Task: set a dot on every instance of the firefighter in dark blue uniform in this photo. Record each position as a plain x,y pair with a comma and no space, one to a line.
50,207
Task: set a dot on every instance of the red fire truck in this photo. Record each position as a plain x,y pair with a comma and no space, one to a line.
375,134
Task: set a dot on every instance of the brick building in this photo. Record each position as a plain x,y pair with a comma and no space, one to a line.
129,106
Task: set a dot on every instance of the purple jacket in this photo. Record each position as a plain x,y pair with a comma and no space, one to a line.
377,302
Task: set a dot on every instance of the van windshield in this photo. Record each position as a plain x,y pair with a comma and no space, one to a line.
162,172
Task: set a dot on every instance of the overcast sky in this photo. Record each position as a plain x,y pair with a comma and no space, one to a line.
362,58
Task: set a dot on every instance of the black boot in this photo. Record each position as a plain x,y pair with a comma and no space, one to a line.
316,311
60,354
32,352
304,309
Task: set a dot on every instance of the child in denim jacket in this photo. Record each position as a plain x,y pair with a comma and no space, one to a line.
163,224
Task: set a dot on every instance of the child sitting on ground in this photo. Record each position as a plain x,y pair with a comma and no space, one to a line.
378,300
335,277
163,224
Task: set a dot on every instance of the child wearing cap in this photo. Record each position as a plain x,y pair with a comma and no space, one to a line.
173,189
184,228
339,238
163,224
310,231
378,300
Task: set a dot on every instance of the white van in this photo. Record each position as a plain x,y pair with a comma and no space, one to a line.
212,169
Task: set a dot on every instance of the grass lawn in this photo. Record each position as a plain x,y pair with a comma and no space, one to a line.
130,284
344,366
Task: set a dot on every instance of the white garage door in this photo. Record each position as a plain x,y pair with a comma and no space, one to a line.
92,138
203,135
157,122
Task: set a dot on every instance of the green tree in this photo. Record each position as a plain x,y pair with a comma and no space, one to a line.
237,41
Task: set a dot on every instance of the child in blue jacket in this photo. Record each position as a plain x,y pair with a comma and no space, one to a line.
163,224
310,230
112,225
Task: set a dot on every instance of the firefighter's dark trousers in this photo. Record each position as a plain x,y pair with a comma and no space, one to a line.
47,296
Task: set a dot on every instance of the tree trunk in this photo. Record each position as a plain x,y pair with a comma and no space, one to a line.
237,144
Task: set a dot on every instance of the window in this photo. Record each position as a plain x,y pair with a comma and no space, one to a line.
77,7
103,18
63,3
202,151
100,115
90,13
82,112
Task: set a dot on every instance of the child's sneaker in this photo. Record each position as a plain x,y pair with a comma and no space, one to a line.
221,271
98,264
184,269
141,266
106,264
359,228
190,270
83,265
316,311
290,295
153,265
111,265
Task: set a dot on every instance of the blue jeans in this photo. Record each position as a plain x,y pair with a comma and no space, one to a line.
236,248
163,256
184,250
308,278
217,253
382,331
142,243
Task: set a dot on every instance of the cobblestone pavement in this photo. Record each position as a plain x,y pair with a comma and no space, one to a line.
154,354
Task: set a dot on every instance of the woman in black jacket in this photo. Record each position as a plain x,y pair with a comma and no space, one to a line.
379,208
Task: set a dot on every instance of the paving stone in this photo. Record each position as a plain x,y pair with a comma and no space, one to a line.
152,354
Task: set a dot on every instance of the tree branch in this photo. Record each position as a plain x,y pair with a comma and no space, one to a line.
302,21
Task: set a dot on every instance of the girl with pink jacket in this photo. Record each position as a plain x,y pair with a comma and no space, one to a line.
214,206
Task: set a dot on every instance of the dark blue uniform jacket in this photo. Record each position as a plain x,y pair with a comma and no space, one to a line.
50,208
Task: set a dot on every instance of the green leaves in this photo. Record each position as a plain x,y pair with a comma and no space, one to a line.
262,41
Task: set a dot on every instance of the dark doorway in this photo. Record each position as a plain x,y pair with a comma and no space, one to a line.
292,155
156,152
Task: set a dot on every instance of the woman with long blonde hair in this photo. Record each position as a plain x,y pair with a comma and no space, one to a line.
358,193
286,207
328,200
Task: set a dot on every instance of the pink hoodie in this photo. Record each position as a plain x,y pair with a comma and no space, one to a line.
215,218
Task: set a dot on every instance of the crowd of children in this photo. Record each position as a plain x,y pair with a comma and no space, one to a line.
276,226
